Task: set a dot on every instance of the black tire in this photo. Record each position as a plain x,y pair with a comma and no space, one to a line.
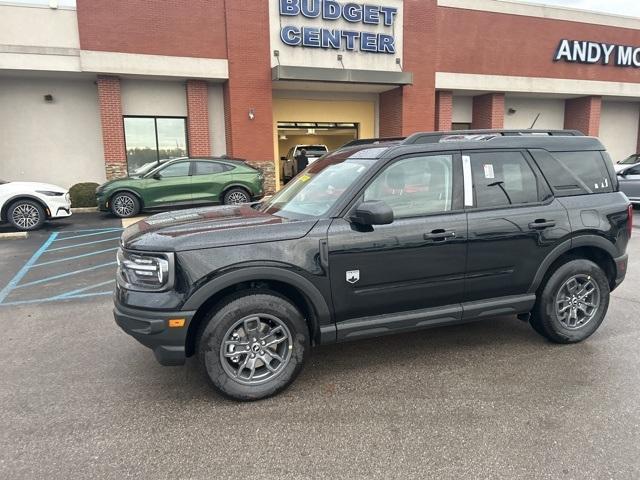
221,322
26,215
545,318
125,205
236,196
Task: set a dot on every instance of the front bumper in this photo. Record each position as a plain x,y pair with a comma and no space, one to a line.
151,328
102,201
59,207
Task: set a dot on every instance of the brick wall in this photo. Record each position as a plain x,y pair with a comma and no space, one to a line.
583,114
390,108
249,85
444,110
488,43
420,36
184,28
198,118
488,111
115,157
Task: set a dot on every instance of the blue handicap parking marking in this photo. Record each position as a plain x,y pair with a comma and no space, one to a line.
69,265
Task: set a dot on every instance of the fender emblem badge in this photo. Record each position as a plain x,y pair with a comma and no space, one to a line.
353,276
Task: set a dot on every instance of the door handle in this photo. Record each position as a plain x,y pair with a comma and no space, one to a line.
440,235
541,224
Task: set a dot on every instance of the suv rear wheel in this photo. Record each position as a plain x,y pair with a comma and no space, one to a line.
236,196
573,302
253,345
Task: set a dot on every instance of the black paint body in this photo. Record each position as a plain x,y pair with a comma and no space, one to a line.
418,272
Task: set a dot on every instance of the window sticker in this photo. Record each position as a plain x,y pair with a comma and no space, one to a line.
488,171
305,178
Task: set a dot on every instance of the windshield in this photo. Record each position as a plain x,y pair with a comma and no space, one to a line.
314,191
629,160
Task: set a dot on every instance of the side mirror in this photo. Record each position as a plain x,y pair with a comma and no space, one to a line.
157,176
375,212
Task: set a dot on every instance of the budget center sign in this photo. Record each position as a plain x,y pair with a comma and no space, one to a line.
312,32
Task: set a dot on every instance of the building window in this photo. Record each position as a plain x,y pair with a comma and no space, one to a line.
151,140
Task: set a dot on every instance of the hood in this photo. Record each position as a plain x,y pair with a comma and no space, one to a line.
27,187
210,227
116,181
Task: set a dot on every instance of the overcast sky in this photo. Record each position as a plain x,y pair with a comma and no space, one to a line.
621,7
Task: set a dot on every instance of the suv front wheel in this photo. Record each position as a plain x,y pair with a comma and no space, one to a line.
573,302
253,345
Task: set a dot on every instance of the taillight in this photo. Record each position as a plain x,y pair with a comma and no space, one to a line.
630,219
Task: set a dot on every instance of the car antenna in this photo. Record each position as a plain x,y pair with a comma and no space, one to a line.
534,122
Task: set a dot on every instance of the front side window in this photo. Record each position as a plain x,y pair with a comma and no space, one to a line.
180,169
149,140
415,186
633,159
503,179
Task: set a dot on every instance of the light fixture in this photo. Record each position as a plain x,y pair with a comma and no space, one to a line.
311,131
252,113
283,137
48,98
511,111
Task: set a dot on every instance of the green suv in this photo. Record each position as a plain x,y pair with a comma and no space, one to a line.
182,182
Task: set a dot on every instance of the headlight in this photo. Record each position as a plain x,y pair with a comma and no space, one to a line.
49,193
145,271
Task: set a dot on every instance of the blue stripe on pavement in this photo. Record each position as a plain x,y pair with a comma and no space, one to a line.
62,275
52,299
80,290
82,244
25,268
75,257
106,229
104,232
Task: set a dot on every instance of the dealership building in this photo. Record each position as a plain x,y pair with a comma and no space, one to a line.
90,89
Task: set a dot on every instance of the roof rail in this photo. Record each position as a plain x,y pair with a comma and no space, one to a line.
436,137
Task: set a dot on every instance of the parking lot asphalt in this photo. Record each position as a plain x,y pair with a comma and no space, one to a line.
491,399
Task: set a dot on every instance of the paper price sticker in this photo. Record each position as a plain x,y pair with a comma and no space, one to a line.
488,171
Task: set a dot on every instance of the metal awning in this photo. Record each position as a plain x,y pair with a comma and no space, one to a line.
340,75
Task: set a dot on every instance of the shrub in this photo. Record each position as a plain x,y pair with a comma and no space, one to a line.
83,194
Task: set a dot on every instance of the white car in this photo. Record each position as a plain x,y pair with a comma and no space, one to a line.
627,162
27,205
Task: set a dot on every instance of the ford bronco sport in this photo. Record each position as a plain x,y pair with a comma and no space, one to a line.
372,240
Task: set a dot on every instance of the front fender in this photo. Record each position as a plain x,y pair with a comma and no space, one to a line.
325,328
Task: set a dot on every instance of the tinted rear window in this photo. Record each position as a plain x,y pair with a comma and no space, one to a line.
574,173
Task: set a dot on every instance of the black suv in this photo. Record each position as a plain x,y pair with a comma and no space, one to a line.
372,240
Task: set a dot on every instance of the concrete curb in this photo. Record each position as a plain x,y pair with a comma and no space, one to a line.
14,235
84,209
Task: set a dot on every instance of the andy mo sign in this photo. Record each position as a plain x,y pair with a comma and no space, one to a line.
339,39
583,51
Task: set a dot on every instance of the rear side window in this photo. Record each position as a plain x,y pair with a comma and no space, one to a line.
503,179
574,173
210,168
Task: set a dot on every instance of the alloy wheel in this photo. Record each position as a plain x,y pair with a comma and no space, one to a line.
256,349
237,197
25,216
577,301
123,205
